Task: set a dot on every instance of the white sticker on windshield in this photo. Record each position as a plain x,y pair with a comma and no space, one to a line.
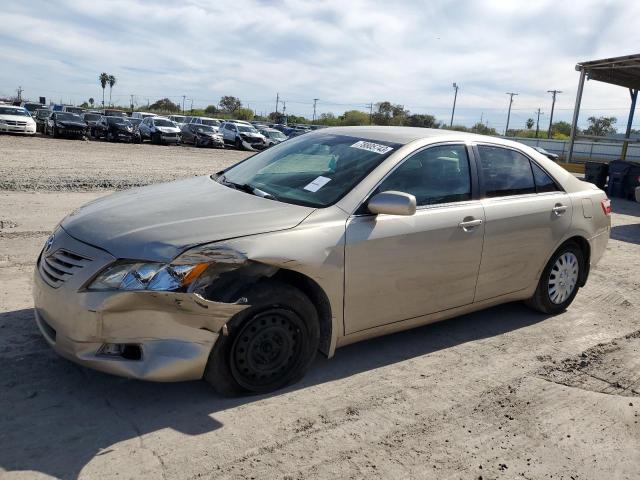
317,184
372,147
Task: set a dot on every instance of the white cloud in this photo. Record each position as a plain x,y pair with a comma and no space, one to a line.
345,53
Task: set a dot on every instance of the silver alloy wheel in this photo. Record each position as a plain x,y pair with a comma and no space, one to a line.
563,278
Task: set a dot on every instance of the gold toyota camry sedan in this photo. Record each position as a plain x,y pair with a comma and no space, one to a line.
329,238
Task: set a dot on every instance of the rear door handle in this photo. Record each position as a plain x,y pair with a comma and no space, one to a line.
470,224
559,209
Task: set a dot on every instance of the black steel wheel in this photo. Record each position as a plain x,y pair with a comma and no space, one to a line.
269,345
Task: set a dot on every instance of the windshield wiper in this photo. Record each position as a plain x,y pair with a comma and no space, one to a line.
245,187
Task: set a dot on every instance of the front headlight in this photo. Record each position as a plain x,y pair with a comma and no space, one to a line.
146,276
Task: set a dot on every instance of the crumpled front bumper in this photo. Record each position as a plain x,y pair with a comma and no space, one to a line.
175,332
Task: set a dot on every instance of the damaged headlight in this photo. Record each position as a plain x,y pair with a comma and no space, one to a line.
146,276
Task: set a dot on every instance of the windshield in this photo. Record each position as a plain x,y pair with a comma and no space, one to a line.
244,128
276,134
159,122
14,111
69,116
205,128
91,116
313,170
178,118
211,122
541,150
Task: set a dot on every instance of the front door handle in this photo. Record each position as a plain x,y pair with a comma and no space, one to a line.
559,209
469,224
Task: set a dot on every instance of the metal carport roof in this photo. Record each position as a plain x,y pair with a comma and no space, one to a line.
622,71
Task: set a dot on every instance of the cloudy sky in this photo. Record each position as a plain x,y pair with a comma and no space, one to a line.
346,53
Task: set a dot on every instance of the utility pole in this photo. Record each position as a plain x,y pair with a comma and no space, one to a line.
455,97
131,102
370,113
19,91
284,112
553,104
538,122
315,100
511,95
277,101
183,99
191,108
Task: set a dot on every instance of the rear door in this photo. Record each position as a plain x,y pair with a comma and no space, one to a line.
527,214
401,267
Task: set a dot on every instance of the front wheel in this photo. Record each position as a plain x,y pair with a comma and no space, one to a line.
269,345
560,280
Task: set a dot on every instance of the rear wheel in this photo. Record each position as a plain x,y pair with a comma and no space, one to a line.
238,144
270,345
559,282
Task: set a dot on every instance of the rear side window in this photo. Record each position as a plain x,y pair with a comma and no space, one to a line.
505,172
544,183
434,175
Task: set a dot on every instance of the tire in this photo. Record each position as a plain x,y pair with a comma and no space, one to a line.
269,345
239,144
155,138
564,270
54,132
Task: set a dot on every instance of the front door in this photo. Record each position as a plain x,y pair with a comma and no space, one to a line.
401,267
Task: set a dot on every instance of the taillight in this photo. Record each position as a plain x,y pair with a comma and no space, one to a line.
606,206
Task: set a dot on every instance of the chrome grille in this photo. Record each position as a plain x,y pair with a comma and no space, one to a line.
15,123
58,267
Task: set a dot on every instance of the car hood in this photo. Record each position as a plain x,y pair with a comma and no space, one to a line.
158,222
19,118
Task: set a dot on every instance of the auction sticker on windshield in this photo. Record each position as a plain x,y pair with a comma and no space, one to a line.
317,184
372,147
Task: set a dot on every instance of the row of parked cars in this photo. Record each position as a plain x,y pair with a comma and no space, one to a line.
114,125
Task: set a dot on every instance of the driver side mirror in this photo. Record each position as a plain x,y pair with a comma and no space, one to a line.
392,203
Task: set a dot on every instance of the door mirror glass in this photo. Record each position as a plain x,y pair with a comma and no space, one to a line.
392,203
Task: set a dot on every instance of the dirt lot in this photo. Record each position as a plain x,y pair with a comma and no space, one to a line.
504,393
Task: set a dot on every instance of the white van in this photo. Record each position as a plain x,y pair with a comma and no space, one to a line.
142,115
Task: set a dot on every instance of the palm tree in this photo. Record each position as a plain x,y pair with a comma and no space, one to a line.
91,102
112,82
103,78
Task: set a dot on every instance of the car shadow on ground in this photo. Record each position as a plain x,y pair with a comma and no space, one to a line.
625,207
627,233
57,416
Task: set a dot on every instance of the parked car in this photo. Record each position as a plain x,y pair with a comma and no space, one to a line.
65,124
114,112
242,136
142,115
32,107
549,155
40,116
202,135
212,122
91,119
272,136
159,130
337,236
179,120
16,120
115,129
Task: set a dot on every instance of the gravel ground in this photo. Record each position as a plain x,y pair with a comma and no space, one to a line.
42,163
499,394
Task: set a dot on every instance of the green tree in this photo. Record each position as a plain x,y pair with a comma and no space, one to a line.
601,126
165,105
276,117
103,78
230,104
389,114
483,129
561,127
112,82
244,114
354,117
211,110
530,123
423,121
91,102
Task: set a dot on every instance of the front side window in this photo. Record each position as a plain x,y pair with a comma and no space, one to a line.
313,170
434,175
505,172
